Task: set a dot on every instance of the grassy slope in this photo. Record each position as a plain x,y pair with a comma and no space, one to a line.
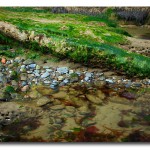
89,37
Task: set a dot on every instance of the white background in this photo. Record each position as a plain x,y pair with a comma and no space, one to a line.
92,146
75,2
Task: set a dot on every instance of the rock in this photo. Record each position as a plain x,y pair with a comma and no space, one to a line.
86,78
45,67
14,83
137,84
88,74
53,86
66,81
58,121
71,71
100,94
23,77
34,94
44,91
49,70
23,70
46,74
74,77
77,101
60,78
71,109
38,67
18,59
3,61
32,66
51,121
1,77
102,78
128,95
67,114
56,102
37,74
23,66
36,71
25,88
62,70
43,101
16,96
109,81
84,110
8,62
60,95
94,99
100,83
28,62
47,82
57,107
87,122
1,95
128,84
29,71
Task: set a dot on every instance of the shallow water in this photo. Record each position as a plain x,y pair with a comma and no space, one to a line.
77,117
138,32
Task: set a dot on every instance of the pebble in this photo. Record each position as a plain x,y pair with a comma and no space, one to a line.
109,81
62,70
66,81
70,109
38,67
46,74
57,107
84,110
37,74
23,78
25,88
86,78
102,78
71,71
88,74
60,78
3,61
32,65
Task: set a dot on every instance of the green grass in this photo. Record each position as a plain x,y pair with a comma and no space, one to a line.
79,38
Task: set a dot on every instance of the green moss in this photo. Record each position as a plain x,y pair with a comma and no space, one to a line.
9,89
79,38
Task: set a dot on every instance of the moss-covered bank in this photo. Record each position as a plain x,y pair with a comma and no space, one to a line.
90,40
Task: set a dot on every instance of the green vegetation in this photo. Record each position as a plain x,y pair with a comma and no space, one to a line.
9,89
85,39
15,75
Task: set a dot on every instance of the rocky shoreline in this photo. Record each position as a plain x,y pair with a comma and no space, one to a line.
22,74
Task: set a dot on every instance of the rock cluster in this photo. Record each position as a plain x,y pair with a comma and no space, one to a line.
21,74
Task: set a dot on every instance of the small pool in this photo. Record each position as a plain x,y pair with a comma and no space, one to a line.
138,32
